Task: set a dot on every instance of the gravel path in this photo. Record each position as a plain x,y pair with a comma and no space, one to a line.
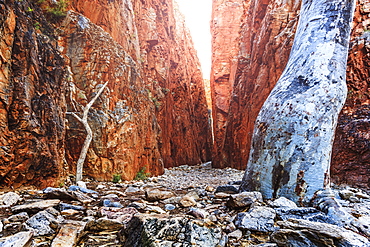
198,176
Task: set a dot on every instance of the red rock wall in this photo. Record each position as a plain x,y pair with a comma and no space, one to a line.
158,38
32,105
351,151
264,43
225,28
152,113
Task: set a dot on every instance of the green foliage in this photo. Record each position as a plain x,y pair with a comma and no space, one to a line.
141,174
29,9
37,25
58,10
117,178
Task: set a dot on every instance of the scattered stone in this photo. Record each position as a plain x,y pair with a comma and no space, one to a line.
236,234
109,203
297,232
81,189
198,213
354,199
104,223
138,205
21,217
230,189
131,190
283,202
259,219
245,199
21,239
187,201
81,184
346,194
362,195
121,215
82,197
169,207
36,206
155,209
69,233
58,193
221,195
210,188
65,206
156,195
10,199
69,212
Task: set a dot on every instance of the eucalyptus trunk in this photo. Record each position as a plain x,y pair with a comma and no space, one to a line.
294,131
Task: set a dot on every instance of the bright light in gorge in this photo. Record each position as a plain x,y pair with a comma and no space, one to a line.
197,17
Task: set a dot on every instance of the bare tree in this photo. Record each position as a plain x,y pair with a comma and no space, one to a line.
86,145
294,131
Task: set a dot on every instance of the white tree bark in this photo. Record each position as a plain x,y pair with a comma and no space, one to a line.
293,134
86,145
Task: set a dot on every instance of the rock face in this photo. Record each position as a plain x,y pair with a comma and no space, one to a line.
32,102
152,114
351,152
160,42
265,39
225,27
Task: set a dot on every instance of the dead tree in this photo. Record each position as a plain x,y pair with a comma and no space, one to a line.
89,135
294,131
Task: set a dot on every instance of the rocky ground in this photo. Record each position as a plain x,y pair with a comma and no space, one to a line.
187,206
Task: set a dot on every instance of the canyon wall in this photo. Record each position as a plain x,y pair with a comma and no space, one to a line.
152,113
351,151
266,34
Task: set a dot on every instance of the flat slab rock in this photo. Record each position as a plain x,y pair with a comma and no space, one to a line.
160,230
298,232
68,234
21,239
36,206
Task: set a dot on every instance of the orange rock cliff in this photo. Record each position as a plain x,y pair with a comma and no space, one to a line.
153,113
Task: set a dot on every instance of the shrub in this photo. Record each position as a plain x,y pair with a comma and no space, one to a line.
116,178
141,174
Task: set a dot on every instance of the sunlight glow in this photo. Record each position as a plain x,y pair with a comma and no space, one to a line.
197,17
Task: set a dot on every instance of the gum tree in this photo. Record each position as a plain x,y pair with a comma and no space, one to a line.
294,131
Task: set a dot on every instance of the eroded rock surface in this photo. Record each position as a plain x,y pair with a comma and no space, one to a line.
152,113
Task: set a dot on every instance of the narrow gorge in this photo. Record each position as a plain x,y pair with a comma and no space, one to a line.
169,148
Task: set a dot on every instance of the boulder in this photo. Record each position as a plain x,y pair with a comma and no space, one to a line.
244,199
43,223
283,202
229,189
187,201
156,194
260,219
160,230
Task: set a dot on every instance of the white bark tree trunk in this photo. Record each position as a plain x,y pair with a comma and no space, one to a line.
293,134
89,134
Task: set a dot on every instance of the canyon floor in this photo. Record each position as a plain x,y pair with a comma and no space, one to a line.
187,206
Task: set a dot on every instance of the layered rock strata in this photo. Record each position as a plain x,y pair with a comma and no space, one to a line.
32,102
